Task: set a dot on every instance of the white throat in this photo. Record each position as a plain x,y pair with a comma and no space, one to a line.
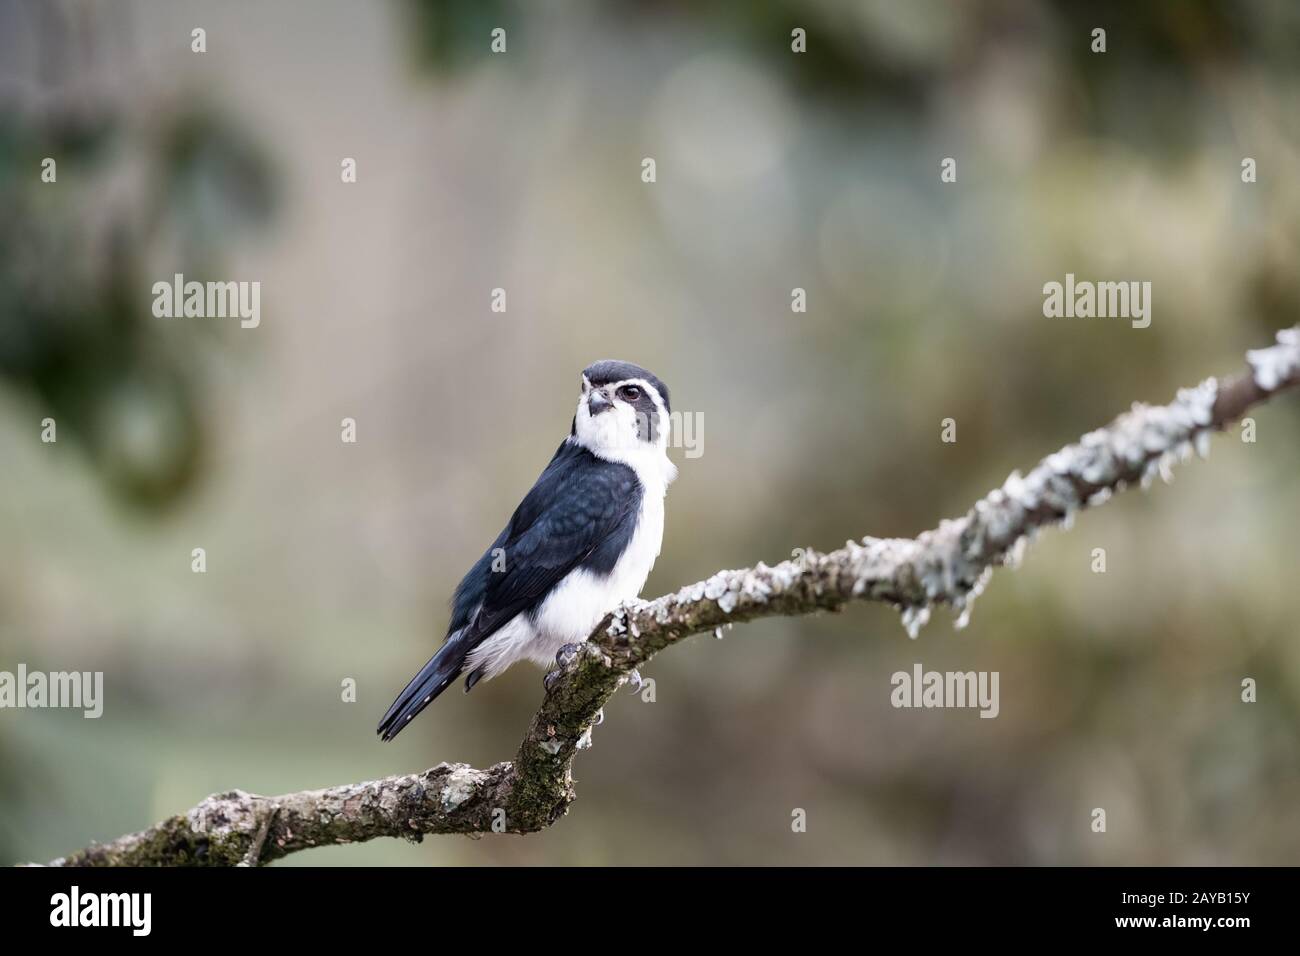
614,435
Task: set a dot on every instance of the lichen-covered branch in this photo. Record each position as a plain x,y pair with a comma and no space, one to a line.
949,565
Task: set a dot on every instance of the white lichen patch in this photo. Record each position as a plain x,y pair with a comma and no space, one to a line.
787,574
551,746
459,787
915,618
877,560
963,603
696,592
663,612
617,623
1278,363
756,586
221,814
723,588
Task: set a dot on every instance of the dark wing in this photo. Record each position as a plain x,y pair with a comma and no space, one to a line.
582,512
472,588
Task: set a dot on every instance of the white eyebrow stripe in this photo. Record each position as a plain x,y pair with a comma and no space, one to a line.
656,399
636,381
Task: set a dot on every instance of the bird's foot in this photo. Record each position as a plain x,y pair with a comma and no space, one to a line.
563,658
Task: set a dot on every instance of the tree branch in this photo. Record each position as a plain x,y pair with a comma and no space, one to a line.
946,566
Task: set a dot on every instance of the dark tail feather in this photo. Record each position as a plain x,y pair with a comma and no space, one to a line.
434,677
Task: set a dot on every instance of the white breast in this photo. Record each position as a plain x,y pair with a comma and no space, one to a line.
575,607
571,612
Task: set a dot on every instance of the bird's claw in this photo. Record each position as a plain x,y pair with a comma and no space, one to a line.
634,679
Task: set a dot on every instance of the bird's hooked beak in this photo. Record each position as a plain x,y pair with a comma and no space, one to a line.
597,402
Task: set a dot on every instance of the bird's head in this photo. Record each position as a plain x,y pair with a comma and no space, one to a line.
622,411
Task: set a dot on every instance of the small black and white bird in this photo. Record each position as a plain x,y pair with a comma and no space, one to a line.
581,542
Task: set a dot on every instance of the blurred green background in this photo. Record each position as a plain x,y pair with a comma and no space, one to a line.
329,561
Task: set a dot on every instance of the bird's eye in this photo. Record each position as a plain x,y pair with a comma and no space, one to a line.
629,393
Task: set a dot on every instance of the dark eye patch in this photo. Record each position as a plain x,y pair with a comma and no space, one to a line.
647,415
